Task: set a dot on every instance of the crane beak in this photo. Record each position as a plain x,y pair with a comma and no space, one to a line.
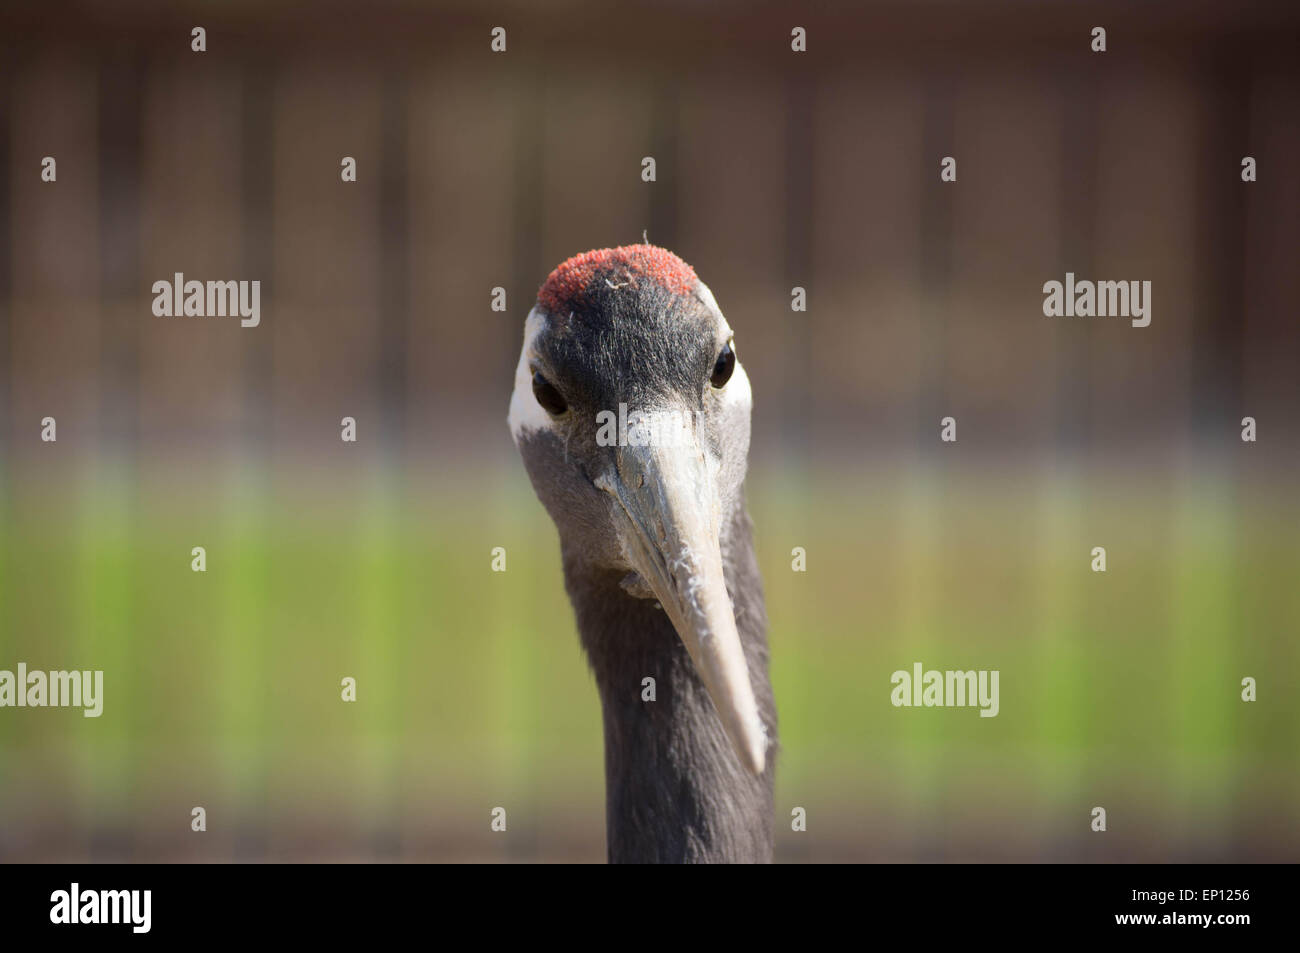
670,498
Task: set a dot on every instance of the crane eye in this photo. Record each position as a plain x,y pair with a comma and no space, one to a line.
725,364
548,396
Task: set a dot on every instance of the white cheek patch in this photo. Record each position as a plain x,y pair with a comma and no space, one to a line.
706,296
526,414
737,397
733,404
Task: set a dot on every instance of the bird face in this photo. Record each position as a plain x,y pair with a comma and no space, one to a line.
631,413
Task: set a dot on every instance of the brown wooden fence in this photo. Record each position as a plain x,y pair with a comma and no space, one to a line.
775,169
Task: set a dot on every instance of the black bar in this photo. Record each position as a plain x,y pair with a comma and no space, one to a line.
974,902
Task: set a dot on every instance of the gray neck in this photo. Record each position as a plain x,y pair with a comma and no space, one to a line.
675,789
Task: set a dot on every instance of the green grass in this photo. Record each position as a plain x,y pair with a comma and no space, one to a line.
222,688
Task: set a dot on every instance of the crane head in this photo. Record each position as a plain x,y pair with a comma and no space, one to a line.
631,412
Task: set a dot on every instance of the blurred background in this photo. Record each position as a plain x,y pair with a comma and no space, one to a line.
774,169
